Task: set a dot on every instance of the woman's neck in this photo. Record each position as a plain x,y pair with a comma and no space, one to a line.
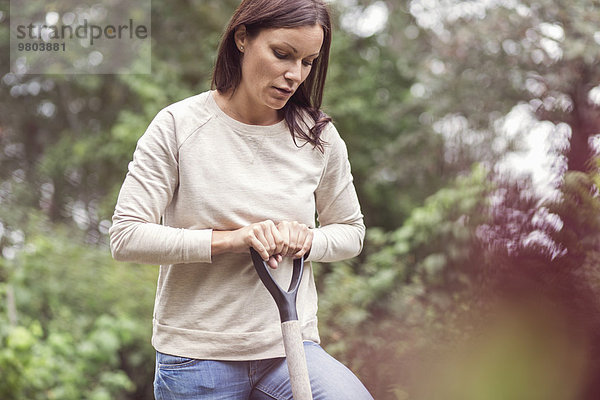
237,107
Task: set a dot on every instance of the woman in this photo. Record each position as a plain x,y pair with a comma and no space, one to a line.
245,165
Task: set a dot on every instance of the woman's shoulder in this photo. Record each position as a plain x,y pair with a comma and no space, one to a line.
329,135
329,130
187,115
197,105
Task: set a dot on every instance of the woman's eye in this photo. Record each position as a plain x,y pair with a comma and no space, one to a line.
307,63
279,55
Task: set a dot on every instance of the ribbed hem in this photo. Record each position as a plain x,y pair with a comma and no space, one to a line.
318,247
225,346
198,245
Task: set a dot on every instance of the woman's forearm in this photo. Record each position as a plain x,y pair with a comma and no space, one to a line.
151,243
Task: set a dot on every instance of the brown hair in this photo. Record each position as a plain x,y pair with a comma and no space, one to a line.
262,14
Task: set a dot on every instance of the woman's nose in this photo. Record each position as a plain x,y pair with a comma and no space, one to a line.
294,72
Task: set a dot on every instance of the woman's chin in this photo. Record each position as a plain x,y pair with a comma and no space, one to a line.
277,104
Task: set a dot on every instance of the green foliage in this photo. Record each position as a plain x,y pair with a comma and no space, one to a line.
368,96
63,365
481,64
434,283
82,321
579,209
404,294
538,306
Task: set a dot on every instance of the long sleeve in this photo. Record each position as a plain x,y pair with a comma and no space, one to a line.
136,234
341,229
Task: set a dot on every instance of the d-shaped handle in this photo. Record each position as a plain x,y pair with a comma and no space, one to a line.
285,300
290,326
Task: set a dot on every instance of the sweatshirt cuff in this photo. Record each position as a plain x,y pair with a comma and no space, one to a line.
198,245
318,247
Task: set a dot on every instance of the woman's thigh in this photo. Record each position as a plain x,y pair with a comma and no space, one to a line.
180,378
329,379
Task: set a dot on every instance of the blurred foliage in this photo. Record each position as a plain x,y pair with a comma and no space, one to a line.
437,283
391,155
76,325
523,346
410,289
454,251
485,58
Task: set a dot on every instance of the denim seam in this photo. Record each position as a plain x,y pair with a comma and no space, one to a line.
177,366
269,393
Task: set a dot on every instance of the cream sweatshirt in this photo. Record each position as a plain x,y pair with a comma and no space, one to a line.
196,170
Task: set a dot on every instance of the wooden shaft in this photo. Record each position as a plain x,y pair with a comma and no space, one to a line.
296,360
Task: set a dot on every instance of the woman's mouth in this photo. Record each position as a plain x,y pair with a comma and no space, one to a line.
284,91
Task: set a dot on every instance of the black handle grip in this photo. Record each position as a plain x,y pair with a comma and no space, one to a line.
285,300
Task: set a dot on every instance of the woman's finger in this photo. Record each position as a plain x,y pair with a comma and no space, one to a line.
296,238
279,239
257,245
258,235
271,235
273,263
284,230
306,245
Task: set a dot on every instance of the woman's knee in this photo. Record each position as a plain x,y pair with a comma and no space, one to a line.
329,379
332,379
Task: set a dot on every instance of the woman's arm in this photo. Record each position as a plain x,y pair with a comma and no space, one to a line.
341,228
152,178
137,235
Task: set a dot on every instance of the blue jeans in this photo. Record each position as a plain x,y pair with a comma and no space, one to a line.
179,378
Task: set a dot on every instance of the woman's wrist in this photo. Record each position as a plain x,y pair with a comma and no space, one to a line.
220,242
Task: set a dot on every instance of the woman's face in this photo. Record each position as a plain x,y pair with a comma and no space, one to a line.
275,62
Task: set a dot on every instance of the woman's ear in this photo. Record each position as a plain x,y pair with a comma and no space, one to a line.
241,37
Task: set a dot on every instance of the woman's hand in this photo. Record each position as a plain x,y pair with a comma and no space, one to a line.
262,236
271,241
297,238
